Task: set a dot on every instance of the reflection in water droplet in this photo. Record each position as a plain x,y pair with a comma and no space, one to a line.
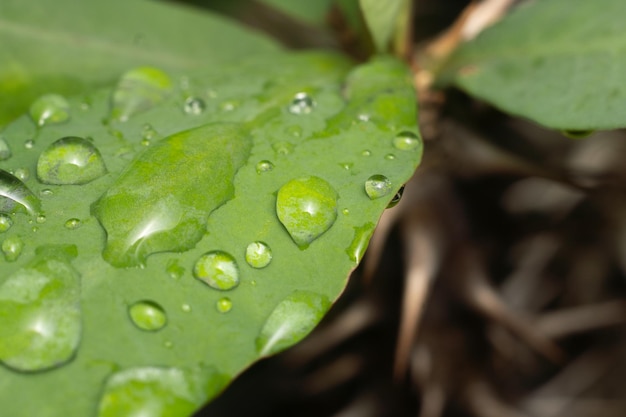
307,207
174,270
70,160
258,255
302,103
5,223
407,141
359,243
159,392
292,319
194,106
224,305
12,248
41,313
72,224
29,144
396,198
22,173
138,90
377,186
50,109
5,151
218,269
264,166
283,148
15,196
147,315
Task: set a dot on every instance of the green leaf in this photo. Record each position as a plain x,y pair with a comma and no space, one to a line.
557,62
382,19
227,219
66,46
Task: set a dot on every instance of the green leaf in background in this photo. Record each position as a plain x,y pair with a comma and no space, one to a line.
560,63
66,46
210,228
382,18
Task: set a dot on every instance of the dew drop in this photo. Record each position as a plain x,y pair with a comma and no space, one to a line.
264,166
186,308
217,269
40,306
283,148
290,321
138,90
407,141
174,270
70,160
366,152
147,315
302,103
29,144
307,207
72,223
224,305
194,106
346,165
363,117
258,255
50,109
5,223
12,248
345,211
359,243
377,186
15,196
22,174
390,157
148,133
41,218
5,151
46,192
396,198
229,105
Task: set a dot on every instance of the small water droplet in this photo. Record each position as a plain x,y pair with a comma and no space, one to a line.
5,151
264,166
366,152
70,160
147,315
307,207
217,269
258,255
363,117
302,103
407,141
290,321
186,308
224,305
294,130
40,305
396,198
50,109
15,196
345,211
12,248
145,142
22,173
346,165
229,105
168,344
29,144
148,133
194,106
5,223
390,157
377,186
283,148
359,243
72,223
138,90
46,192
41,218
174,270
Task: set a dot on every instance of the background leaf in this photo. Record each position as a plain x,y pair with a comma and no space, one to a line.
307,115
557,62
67,46
382,19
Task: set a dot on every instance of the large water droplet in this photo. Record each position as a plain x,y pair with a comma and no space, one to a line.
70,160
147,315
159,392
258,255
12,248
307,207
359,243
407,141
218,269
138,90
5,222
377,186
194,106
40,310
302,103
292,319
15,196
264,166
5,151
49,109
163,199
224,305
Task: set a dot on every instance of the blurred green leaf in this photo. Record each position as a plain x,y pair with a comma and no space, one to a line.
557,62
382,19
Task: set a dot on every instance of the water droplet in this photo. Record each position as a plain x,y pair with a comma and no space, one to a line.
258,255
5,223
407,141
12,248
70,160
292,319
46,192
72,223
363,117
229,105
22,173
366,152
345,211
346,165
186,308
218,269
5,151
194,106
168,344
50,109
147,315
174,270
154,207
224,305
138,90
307,207
359,243
302,103
283,148
159,392
41,218
148,133
377,186
294,130
15,196
390,157
29,144
264,166
396,198
40,306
